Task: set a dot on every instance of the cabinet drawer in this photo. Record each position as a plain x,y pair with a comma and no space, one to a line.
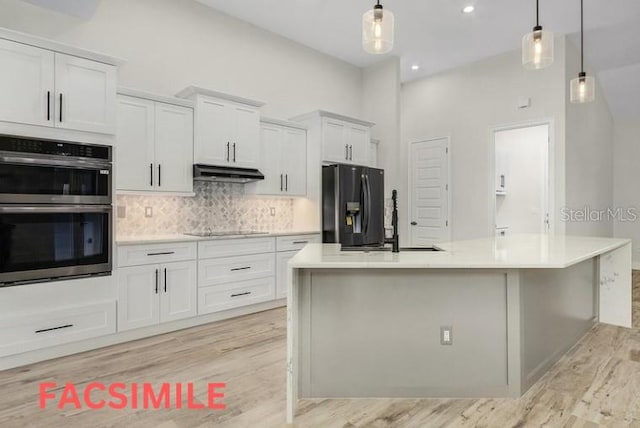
235,247
234,295
25,333
135,255
297,242
234,269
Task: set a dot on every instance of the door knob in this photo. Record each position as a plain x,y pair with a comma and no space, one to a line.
414,223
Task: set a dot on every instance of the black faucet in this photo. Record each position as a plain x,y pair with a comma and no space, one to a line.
394,240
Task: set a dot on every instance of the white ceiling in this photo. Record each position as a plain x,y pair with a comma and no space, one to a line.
437,36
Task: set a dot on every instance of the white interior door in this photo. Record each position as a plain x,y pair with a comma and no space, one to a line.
521,203
429,187
135,144
26,84
85,95
174,148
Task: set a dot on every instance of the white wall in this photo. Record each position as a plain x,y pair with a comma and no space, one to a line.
627,180
589,155
524,153
465,104
170,44
381,105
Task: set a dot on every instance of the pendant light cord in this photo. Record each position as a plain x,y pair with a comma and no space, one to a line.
537,13
582,35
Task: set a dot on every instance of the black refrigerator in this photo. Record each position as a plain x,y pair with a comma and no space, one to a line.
352,205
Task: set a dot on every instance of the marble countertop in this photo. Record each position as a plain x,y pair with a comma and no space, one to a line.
514,251
160,239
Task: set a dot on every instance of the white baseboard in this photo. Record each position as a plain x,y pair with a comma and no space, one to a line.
26,358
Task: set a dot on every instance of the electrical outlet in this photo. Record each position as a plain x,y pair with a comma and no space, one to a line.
148,211
273,211
121,211
446,335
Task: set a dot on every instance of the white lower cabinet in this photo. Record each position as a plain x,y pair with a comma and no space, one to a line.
283,260
288,247
42,329
151,294
236,294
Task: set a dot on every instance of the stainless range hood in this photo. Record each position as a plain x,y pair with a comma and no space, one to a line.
225,174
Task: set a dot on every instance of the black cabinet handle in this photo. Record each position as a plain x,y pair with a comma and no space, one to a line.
281,182
286,182
351,152
300,242
151,174
60,108
241,294
157,279
234,152
228,151
241,268
48,105
165,280
346,154
44,330
161,254
414,223
159,175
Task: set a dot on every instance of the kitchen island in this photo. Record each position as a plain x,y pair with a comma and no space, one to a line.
482,318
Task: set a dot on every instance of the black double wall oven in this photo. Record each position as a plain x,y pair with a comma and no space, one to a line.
55,210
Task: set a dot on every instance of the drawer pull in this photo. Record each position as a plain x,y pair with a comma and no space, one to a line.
241,294
44,330
241,268
161,254
300,242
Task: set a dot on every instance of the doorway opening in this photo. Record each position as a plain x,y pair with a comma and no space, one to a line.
521,189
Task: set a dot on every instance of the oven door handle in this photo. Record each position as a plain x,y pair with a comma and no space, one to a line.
10,209
81,164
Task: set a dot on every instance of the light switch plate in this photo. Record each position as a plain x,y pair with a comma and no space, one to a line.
121,211
148,211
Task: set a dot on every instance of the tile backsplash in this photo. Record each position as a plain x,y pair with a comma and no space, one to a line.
219,206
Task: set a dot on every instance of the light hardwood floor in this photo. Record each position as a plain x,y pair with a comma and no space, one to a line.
596,384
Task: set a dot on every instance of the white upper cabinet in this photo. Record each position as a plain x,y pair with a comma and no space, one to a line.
154,149
26,84
174,148
85,95
227,129
135,150
343,139
52,89
284,160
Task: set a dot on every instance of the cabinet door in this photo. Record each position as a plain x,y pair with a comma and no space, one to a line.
135,144
26,84
282,276
213,131
174,148
179,291
271,138
334,145
85,95
359,140
138,297
294,152
245,150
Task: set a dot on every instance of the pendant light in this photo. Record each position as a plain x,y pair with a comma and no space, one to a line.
377,30
583,88
537,46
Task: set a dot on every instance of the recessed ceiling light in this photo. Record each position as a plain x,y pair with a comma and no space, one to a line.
468,9
415,67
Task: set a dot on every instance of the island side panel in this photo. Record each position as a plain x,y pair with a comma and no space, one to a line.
557,310
615,287
376,333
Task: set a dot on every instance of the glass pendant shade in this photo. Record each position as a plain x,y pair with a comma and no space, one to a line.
537,49
377,30
583,89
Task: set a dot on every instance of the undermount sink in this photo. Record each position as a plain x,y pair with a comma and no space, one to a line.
387,248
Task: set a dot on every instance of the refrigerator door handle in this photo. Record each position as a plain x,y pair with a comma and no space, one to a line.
368,190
